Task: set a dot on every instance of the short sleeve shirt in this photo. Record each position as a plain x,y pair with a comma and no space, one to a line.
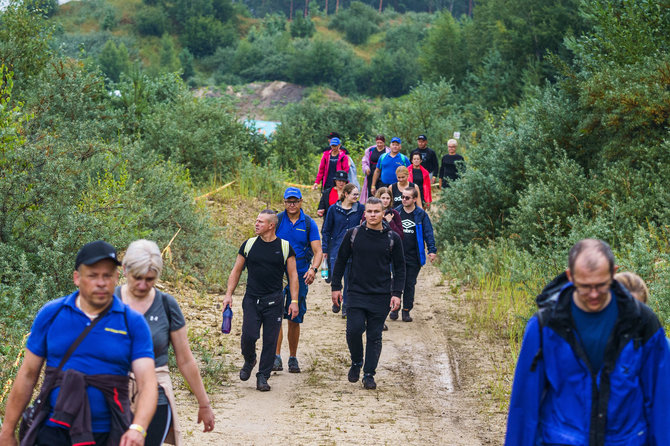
60,322
265,263
388,164
296,234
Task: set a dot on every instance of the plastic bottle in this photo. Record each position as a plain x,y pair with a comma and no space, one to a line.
324,269
227,320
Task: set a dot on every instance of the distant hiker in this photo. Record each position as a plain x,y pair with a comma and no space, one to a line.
342,216
634,284
372,250
453,165
419,175
90,341
267,258
142,266
594,365
330,136
302,234
331,161
369,164
387,165
402,173
428,157
330,196
418,235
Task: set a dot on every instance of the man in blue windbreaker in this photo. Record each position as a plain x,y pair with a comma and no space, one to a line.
594,366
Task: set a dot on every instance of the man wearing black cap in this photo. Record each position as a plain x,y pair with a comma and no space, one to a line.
94,406
428,157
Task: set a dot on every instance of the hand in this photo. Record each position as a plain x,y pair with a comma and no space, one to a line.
432,256
388,217
373,190
315,186
427,206
309,276
206,415
227,302
132,438
395,303
320,212
367,171
337,298
8,438
293,310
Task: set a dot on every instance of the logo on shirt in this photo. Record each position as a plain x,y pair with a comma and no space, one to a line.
408,226
112,330
153,318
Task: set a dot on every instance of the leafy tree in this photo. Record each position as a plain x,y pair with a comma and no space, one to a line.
358,22
442,54
202,35
45,7
167,56
151,21
114,60
302,27
186,62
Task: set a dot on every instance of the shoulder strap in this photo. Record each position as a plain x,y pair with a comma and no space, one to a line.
284,249
280,217
248,245
82,335
168,313
353,235
540,322
390,240
308,227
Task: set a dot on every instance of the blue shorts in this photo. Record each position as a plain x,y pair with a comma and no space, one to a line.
302,300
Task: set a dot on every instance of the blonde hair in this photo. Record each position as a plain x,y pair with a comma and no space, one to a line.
141,257
401,169
634,284
452,141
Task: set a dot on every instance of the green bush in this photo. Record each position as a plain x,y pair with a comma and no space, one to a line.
302,27
151,21
202,35
358,22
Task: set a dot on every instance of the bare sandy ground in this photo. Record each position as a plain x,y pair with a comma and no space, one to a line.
428,382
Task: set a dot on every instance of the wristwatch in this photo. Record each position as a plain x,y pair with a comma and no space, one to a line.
315,269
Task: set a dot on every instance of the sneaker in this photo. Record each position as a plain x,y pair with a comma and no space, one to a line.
393,315
277,366
405,316
386,328
245,371
369,382
336,308
354,373
262,383
293,366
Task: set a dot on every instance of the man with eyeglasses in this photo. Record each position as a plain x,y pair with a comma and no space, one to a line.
594,366
417,235
302,233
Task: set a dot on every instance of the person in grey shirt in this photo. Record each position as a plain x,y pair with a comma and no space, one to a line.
142,266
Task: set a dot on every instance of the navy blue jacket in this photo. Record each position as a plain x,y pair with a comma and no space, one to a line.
337,222
424,233
558,399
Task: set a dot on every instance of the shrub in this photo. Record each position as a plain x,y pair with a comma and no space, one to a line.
302,27
203,35
151,21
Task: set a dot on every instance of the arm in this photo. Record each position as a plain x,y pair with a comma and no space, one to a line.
293,309
418,202
428,234
322,169
344,162
342,256
365,162
147,397
375,178
326,232
399,271
655,383
233,280
19,397
189,370
436,165
323,202
316,261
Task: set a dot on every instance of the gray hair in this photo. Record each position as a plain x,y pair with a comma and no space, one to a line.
141,257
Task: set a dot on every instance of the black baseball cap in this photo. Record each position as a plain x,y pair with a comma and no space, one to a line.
94,252
341,175
422,137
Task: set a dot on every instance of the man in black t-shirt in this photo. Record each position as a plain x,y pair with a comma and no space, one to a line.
453,165
428,156
267,258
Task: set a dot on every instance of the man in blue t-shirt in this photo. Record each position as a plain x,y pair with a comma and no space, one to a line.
305,241
387,165
120,342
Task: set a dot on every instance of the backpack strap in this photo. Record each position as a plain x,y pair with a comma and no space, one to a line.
249,245
541,316
168,313
284,249
353,236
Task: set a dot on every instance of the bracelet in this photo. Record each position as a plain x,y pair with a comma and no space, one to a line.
294,301
138,428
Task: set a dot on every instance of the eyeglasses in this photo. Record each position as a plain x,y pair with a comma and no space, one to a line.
599,287
407,197
355,195
291,203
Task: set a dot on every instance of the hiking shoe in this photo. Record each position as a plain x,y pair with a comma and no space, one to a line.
354,373
262,383
336,308
293,366
393,315
277,366
245,371
369,382
405,316
386,328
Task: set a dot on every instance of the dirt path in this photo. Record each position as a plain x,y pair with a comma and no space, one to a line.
426,376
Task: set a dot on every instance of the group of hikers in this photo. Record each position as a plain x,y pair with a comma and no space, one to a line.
593,369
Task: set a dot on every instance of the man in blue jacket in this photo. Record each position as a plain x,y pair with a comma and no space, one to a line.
417,234
594,366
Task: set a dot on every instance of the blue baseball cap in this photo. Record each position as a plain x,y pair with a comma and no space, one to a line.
335,141
292,192
396,139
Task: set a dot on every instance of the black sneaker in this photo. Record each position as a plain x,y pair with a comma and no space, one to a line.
386,328
336,308
245,371
277,366
369,382
393,315
293,366
262,383
354,373
405,316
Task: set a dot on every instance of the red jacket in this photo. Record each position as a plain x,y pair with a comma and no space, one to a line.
342,164
427,196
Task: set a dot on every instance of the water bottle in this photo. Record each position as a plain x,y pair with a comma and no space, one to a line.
324,269
227,320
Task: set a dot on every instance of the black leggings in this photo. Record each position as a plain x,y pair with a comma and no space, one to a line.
159,426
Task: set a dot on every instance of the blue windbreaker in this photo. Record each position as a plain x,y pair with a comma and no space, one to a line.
558,400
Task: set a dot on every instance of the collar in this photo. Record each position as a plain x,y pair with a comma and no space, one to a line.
71,301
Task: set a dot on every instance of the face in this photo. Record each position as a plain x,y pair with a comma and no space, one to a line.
263,224
339,184
395,147
335,149
353,195
386,200
292,205
380,144
402,177
452,149
408,199
374,214
416,160
422,143
96,282
592,292
140,285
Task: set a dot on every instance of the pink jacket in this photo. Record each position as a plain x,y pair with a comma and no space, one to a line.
342,164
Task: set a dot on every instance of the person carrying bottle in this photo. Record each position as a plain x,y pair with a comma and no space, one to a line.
302,233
